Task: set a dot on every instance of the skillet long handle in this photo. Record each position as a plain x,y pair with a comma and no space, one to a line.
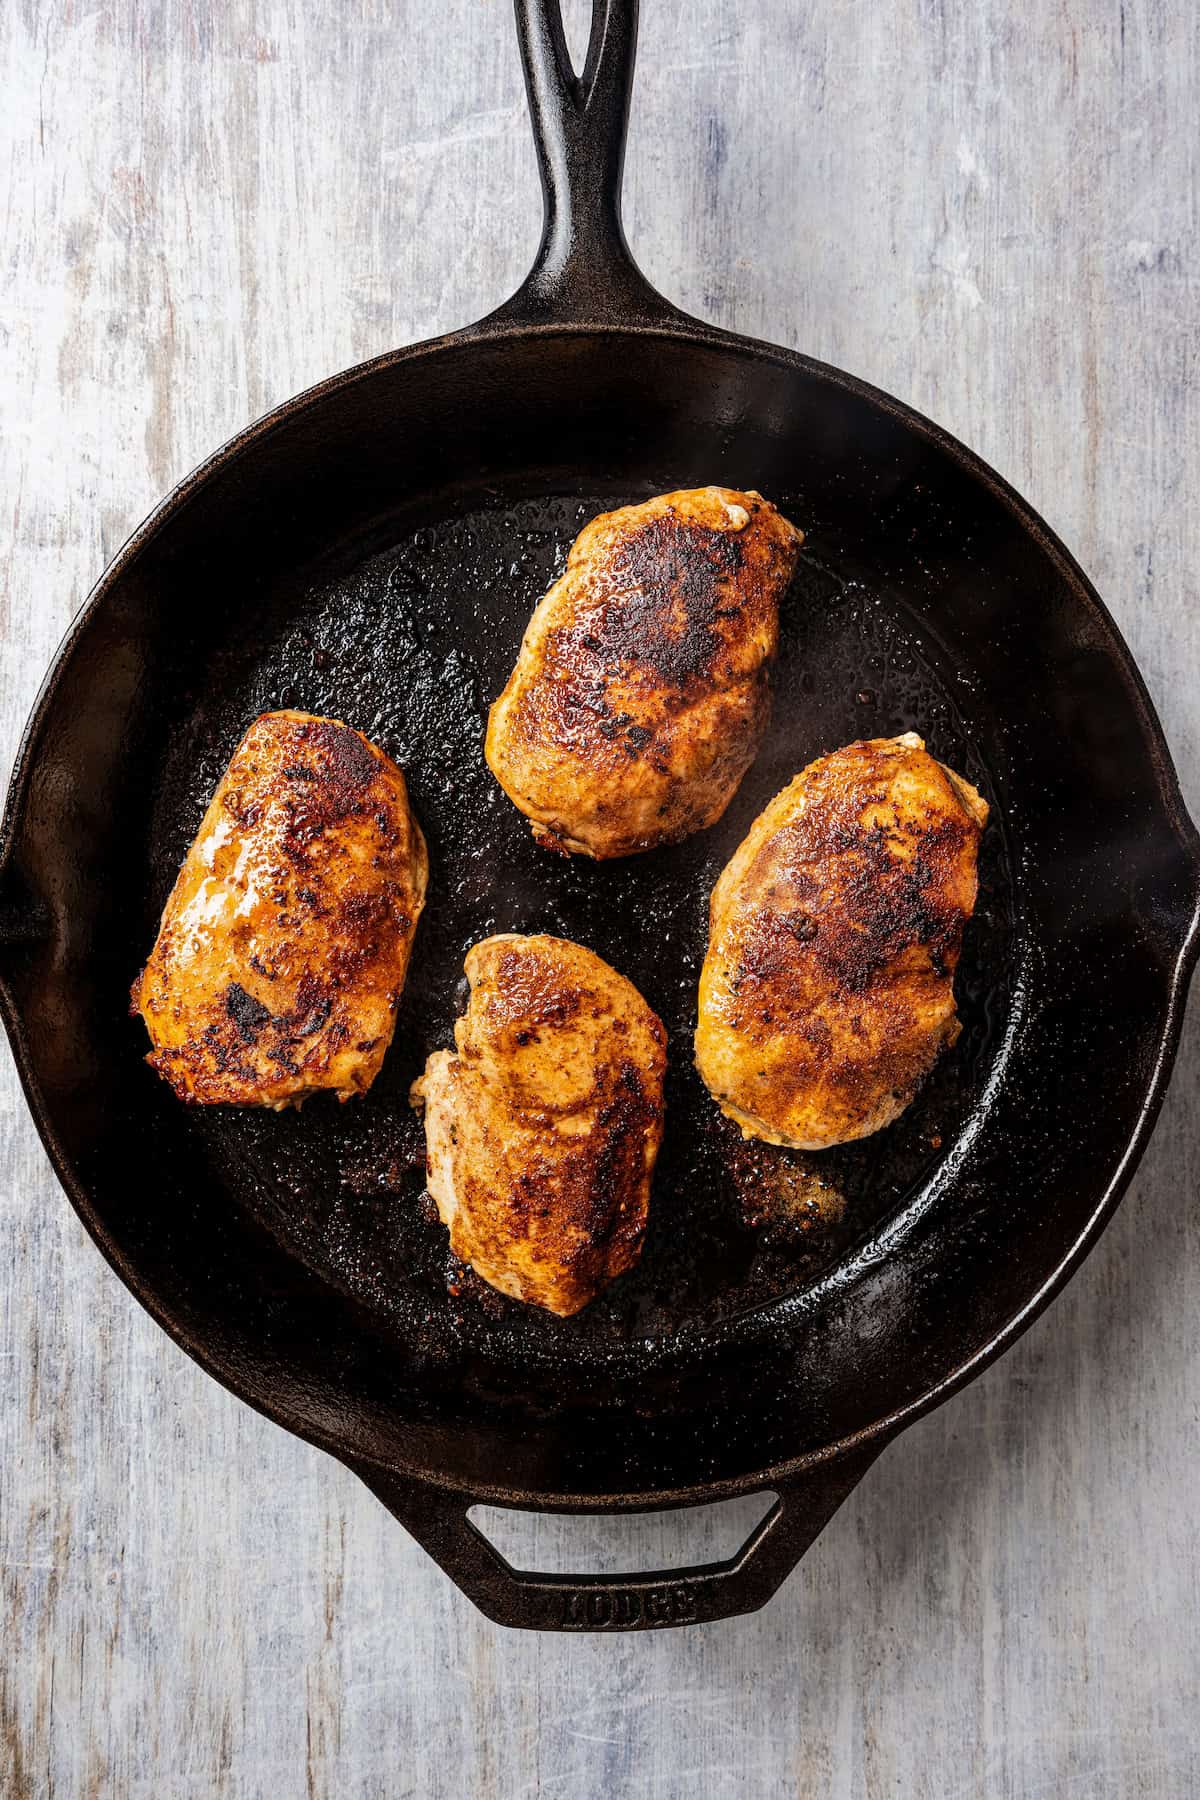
438,1519
583,271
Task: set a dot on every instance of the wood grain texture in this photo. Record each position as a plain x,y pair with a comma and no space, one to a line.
986,209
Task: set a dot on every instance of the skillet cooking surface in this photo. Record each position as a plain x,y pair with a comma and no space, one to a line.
410,644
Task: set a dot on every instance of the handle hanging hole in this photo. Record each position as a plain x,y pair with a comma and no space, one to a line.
577,18
622,1543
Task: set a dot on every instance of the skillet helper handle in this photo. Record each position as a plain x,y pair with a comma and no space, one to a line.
437,1518
583,271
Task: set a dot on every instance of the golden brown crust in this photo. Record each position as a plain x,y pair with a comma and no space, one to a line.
284,944
834,932
640,693
543,1128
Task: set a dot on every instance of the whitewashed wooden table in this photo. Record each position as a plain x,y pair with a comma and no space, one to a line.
987,209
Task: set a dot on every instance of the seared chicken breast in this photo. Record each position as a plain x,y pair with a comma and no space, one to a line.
640,693
828,988
284,945
542,1126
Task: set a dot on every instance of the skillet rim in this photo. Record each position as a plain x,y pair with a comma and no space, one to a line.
679,328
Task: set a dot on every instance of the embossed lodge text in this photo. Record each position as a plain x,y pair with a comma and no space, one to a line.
627,1608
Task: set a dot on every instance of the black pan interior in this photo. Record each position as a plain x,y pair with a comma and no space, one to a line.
411,645
375,554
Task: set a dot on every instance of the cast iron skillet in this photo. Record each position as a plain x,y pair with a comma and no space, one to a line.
372,550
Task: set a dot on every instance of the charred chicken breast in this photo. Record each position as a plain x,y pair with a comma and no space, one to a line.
542,1126
827,993
285,942
640,694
